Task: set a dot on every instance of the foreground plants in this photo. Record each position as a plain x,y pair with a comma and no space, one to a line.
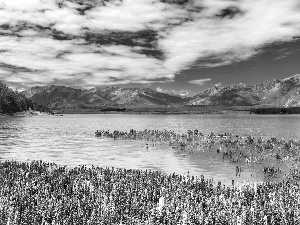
45,193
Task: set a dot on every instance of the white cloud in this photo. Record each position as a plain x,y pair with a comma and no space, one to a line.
218,32
77,62
241,36
180,92
158,89
218,84
283,55
199,82
183,92
29,6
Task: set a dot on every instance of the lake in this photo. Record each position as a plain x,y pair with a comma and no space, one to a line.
70,140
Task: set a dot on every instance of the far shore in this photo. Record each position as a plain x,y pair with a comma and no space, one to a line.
168,110
162,110
173,110
25,114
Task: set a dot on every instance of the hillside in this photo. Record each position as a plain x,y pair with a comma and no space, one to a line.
234,95
277,93
59,97
12,101
285,92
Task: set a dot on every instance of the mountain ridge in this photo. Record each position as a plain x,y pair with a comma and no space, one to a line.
274,92
57,97
281,93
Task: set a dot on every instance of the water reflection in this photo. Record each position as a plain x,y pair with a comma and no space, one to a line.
70,140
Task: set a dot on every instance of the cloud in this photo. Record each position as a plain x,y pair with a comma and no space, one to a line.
158,89
233,38
181,92
199,82
92,43
283,55
218,84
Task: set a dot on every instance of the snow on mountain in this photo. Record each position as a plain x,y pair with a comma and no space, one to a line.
285,92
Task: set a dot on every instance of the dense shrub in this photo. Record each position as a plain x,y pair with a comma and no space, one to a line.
12,101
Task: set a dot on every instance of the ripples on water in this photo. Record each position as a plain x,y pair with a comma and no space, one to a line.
70,140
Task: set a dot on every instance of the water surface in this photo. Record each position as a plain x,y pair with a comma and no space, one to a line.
70,140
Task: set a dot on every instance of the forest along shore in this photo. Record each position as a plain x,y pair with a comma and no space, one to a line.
157,110
205,109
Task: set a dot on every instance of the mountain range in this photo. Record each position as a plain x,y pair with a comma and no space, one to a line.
58,97
279,93
285,92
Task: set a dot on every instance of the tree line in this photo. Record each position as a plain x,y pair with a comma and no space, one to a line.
290,110
13,101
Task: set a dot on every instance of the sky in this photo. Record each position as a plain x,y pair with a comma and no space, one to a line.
174,46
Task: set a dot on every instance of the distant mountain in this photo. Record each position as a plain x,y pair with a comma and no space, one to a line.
59,97
233,95
285,92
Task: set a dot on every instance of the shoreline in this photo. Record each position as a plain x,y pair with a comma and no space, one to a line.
171,110
26,114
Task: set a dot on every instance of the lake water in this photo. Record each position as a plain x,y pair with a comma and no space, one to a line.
70,140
